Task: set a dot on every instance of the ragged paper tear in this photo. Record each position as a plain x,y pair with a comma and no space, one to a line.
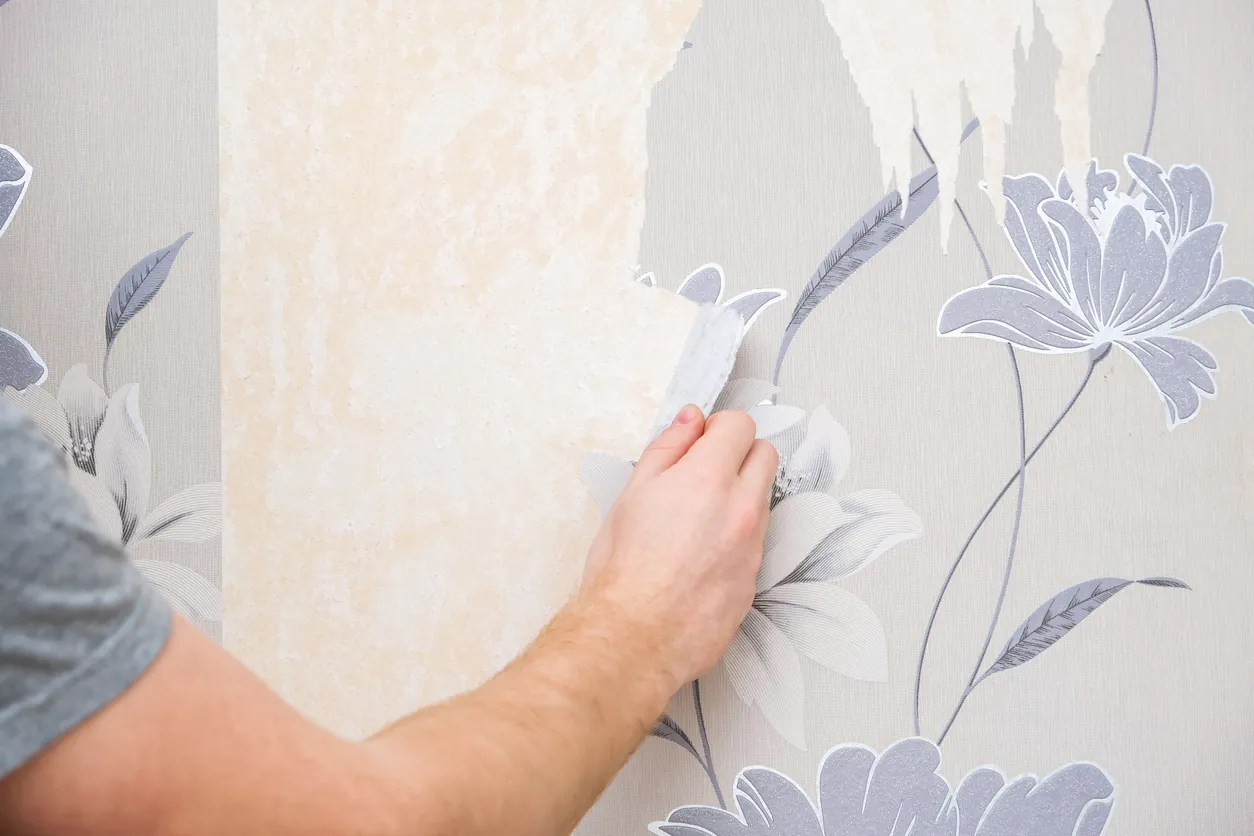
912,62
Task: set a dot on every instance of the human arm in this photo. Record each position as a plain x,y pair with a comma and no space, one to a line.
199,745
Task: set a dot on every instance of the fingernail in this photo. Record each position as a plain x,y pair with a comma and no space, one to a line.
687,415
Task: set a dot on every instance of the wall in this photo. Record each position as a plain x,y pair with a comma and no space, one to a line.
113,109
431,221
761,157
428,243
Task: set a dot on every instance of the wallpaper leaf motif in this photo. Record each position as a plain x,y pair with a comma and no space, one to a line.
193,596
1059,615
193,515
872,233
123,457
705,286
752,303
136,289
901,792
667,729
15,174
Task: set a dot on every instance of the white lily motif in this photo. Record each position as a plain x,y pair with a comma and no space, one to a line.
813,540
104,440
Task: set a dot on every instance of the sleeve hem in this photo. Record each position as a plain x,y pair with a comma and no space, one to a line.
37,722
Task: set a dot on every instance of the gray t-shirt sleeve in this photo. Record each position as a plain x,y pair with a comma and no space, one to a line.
78,624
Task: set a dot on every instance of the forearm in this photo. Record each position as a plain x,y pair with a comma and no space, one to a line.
200,746
529,751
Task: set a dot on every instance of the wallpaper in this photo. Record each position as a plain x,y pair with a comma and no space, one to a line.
992,259
1003,586
109,252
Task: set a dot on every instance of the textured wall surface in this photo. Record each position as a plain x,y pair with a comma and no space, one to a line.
761,157
113,109
431,216
430,221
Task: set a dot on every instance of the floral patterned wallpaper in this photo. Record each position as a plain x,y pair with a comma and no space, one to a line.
108,205
1130,269
1118,273
1004,490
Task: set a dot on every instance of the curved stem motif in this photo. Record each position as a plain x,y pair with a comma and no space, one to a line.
705,743
1149,129
927,633
1014,542
104,369
1095,358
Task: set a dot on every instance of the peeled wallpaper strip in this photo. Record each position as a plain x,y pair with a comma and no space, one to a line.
430,215
911,58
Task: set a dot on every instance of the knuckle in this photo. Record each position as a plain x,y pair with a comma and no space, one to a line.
660,446
745,425
737,422
768,452
668,439
746,519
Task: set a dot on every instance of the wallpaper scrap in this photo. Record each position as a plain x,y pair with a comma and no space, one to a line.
428,247
911,58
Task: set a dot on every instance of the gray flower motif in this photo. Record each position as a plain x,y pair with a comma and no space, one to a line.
104,439
20,363
705,285
15,175
900,791
813,540
1124,270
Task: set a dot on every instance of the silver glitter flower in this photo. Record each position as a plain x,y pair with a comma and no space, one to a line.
901,792
1126,270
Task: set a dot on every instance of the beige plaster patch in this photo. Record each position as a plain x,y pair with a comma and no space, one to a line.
429,216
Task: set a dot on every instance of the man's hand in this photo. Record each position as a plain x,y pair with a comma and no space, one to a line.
198,745
677,555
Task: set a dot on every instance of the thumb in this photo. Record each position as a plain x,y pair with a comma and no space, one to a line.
672,444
